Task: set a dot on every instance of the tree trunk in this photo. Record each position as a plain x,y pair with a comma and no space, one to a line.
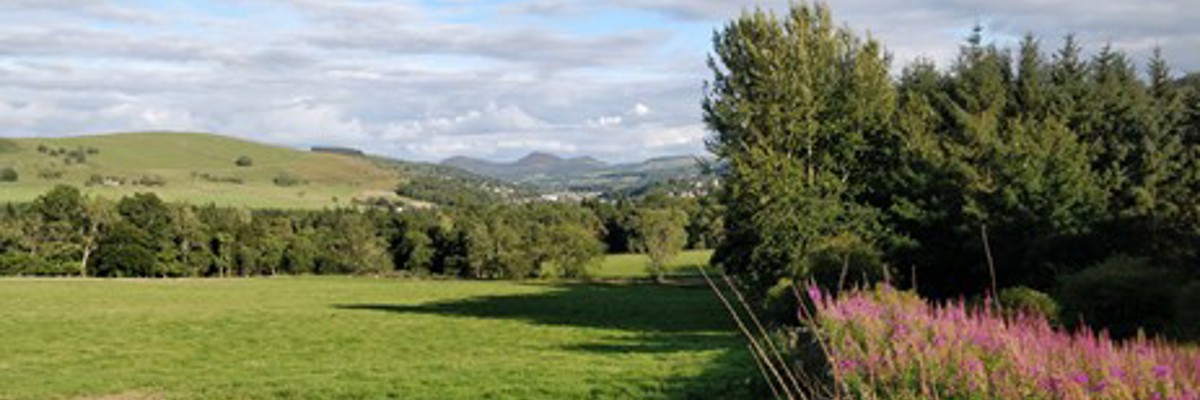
87,252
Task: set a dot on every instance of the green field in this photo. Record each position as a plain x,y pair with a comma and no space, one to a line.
181,159
637,265
364,338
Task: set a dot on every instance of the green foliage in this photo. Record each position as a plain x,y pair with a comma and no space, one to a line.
616,218
63,204
780,305
1187,311
834,170
9,174
1026,301
575,249
660,234
351,245
244,161
146,212
563,235
795,102
287,180
1122,294
449,190
842,262
706,224
21,263
126,250
300,256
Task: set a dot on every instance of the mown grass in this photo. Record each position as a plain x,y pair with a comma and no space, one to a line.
181,158
637,265
364,338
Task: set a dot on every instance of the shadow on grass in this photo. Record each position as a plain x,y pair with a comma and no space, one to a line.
630,307
662,319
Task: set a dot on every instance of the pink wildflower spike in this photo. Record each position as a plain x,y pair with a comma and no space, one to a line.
814,294
1162,371
885,337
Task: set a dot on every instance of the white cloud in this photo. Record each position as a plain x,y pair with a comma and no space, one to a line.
428,80
604,122
492,118
640,109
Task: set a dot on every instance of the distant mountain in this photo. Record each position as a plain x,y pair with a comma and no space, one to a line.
534,166
551,172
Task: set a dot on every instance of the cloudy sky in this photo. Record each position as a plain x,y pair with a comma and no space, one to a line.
424,80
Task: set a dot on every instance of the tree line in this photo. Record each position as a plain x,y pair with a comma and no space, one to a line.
66,233
1011,167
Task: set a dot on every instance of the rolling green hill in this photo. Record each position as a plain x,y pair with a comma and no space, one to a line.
192,167
553,173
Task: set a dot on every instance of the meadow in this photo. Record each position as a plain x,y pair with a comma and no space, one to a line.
342,337
637,265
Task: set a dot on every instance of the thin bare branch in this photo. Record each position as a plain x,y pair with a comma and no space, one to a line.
749,336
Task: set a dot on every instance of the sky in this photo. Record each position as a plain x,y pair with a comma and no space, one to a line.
620,80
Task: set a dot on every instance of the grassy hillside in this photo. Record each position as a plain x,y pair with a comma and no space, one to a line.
364,338
192,167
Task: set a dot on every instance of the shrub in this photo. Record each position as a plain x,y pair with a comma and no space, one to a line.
1026,301
150,180
52,268
844,261
20,263
286,180
77,156
244,161
780,304
8,174
218,179
1121,294
50,174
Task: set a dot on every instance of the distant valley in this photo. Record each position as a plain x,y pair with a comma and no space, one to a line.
551,172
207,168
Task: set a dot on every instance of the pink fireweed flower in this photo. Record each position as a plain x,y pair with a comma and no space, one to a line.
887,343
814,294
1161,371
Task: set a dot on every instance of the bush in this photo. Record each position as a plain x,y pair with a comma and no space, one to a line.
244,161
287,180
1023,300
1121,294
781,304
8,174
844,261
150,180
50,174
20,263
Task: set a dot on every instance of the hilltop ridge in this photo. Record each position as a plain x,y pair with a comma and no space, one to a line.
193,167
